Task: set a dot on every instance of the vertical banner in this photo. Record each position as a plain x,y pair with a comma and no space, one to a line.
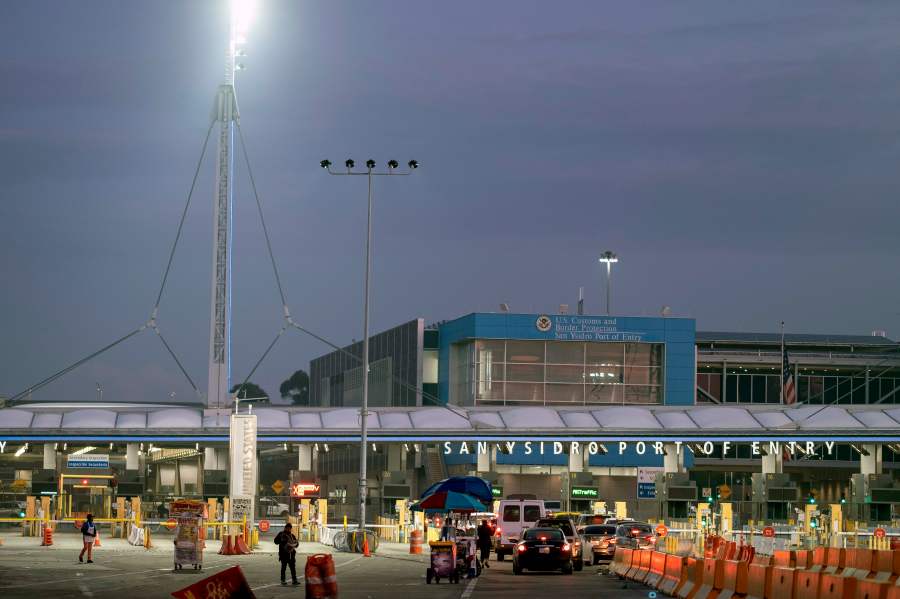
242,482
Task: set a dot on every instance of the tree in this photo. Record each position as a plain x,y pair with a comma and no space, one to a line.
250,392
296,388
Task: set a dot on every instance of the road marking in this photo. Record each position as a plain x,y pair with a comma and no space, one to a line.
84,590
301,578
470,588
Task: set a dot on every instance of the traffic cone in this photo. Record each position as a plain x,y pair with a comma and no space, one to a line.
48,537
240,546
366,545
97,539
226,546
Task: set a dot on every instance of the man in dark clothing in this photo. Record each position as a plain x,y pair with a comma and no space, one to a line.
88,534
484,543
287,552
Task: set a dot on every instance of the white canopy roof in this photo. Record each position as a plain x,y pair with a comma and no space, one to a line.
615,420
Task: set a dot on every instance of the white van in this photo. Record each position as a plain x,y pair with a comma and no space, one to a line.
514,516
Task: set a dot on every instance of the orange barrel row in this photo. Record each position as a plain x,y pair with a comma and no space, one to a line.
822,573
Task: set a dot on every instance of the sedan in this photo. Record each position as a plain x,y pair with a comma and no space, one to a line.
543,549
601,542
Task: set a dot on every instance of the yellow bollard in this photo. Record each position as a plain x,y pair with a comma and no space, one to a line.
345,522
254,539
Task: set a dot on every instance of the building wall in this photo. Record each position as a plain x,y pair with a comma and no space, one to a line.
395,378
678,335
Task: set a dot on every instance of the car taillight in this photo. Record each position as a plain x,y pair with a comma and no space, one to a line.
566,548
521,547
612,541
499,530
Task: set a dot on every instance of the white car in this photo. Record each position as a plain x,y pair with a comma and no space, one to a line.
514,516
270,507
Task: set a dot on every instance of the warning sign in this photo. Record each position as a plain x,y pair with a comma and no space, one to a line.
278,487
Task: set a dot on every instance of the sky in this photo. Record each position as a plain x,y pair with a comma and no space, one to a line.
741,158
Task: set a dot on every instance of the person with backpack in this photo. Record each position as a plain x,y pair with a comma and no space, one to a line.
287,552
88,534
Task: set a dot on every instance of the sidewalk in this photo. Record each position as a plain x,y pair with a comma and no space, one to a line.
162,543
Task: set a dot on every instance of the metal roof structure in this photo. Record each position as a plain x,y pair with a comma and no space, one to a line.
793,339
44,422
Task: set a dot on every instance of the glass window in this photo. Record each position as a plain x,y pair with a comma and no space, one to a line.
611,354
525,372
773,389
525,392
560,393
731,388
532,513
639,375
744,388
831,390
643,354
490,350
565,352
565,374
511,513
816,388
529,352
636,394
533,534
603,394
600,375
494,390
759,389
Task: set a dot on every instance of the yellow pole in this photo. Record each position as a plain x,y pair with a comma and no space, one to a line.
345,522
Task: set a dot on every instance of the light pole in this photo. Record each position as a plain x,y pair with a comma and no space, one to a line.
609,259
364,411
99,393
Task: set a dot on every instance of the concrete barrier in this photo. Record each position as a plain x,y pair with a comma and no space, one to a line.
657,569
734,579
713,575
807,584
759,581
693,576
784,582
835,586
872,589
674,571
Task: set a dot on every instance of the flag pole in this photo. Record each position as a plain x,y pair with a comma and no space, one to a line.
781,370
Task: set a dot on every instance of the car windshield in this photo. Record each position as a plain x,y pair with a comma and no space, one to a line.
563,525
599,530
633,530
543,534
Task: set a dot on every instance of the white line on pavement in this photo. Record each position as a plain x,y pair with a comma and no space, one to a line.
470,588
301,578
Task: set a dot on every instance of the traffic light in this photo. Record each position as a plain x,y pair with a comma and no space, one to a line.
709,499
812,500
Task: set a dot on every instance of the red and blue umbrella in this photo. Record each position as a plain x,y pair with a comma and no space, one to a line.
449,501
474,486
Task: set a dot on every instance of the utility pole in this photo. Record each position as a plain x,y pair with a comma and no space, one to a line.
609,259
369,173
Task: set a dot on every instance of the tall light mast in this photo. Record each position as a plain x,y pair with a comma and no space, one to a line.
225,113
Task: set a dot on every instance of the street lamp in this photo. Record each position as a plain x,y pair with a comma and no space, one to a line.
99,393
609,259
364,411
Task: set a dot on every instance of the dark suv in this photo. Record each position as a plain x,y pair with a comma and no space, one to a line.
568,529
635,535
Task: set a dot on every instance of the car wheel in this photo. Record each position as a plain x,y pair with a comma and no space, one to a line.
500,556
579,565
567,569
516,569
284,514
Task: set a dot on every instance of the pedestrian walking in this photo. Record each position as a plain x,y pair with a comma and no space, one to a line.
88,534
287,552
484,543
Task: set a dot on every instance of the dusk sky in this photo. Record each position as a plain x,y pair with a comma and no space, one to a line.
741,158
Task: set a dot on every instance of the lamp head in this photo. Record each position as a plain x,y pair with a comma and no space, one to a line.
413,164
349,163
370,163
393,164
325,163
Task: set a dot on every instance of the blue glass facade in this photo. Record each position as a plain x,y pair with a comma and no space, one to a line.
675,335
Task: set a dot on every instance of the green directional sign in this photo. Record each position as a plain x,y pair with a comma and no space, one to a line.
585,493
497,492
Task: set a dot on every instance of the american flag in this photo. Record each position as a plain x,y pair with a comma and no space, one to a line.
789,389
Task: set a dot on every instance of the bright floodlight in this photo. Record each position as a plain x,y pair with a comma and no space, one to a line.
243,12
608,257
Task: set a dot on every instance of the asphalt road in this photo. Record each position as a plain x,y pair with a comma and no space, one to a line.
40,572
